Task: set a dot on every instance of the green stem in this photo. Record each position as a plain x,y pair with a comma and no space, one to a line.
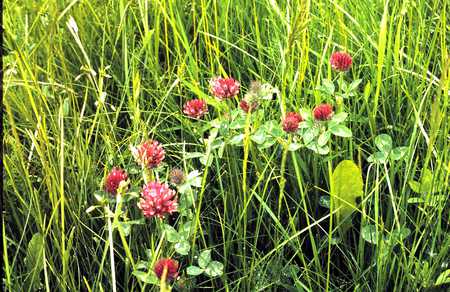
282,178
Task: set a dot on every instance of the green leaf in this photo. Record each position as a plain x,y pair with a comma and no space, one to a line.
294,146
141,265
398,235
35,260
369,234
182,247
259,136
235,140
339,118
324,201
185,230
268,143
383,143
172,234
346,186
322,150
184,188
217,143
204,258
327,87
415,186
431,200
273,128
378,157
66,107
323,138
239,123
194,178
310,134
214,269
416,200
426,182
444,278
186,202
398,153
146,277
194,271
193,155
341,131
206,160
354,85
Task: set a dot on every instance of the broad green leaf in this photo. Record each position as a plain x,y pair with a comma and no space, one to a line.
383,143
141,265
194,270
268,143
205,258
415,186
341,131
318,149
146,277
217,143
235,140
339,118
182,247
184,188
239,123
294,146
327,87
399,235
273,128
378,157
426,182
398,153
369,234
324,138
172,234
185,230
354,84
194,178
310,134
346,186
206,160
214,269
259,136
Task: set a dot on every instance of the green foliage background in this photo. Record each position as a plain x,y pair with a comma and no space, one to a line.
64,127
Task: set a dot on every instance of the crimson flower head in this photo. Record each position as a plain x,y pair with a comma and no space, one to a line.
291,122
195,108
157,200
323,112
170,265
223,88
341,61
112,182
149,154
248,106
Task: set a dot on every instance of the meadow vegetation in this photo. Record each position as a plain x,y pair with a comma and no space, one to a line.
132,163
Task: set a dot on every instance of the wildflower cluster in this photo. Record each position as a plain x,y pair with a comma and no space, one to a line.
309,128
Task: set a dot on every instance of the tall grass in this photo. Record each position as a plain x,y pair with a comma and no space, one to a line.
74,99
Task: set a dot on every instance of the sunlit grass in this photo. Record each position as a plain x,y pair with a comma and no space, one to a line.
74,99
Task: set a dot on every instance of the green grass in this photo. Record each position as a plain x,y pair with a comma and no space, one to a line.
257,209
